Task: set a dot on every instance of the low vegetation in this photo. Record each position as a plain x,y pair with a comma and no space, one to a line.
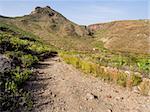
23,50
127,71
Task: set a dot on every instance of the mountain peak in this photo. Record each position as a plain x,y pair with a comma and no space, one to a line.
51,22
43,10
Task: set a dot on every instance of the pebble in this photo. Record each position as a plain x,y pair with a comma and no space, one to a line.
109,96
119,98
116,91
135,89
91,96
109,110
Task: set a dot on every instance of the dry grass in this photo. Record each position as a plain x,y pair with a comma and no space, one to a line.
125,36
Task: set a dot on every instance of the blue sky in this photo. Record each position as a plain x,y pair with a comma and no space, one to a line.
82,11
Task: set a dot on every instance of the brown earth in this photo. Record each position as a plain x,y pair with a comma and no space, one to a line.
61,88
126,36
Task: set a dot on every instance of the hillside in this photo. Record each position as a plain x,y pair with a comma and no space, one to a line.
19,52
52,27
125,36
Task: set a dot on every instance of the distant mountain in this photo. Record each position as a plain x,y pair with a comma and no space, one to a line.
126,36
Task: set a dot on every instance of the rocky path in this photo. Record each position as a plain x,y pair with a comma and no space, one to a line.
61,88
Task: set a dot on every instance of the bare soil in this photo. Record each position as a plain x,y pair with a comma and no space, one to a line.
59,87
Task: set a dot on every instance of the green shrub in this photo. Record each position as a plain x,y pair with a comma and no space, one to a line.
75,61
19,101
144,65
39,48
99,71
94,68
21,76
86,66
119,61
122,79
10,86
12,54
66,59
136,80
18,44
28,60
105,76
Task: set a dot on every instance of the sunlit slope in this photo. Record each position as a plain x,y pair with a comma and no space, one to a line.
125,36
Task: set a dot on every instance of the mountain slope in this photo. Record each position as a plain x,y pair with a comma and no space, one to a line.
52,27
125,36
19,51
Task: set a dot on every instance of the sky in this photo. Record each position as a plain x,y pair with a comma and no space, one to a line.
83,12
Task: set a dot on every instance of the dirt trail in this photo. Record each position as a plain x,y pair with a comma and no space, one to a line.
61,88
